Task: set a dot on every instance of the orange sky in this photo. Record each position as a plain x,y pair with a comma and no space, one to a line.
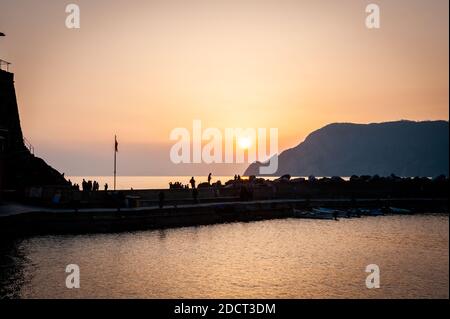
141,68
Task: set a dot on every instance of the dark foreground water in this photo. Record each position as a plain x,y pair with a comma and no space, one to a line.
287,258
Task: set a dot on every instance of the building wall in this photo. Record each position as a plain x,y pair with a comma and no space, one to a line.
18,167
9,113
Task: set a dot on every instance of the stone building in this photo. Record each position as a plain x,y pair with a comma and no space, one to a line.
19,168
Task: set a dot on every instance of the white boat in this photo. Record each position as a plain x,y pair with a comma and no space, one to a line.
330,211
354,212
314,214
395,210
372,212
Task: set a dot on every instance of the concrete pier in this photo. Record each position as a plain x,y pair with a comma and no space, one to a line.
28,220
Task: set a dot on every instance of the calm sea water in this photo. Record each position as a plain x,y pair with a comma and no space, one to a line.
288,258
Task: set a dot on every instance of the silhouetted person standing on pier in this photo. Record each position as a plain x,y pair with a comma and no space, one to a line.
106,187
209,178
192,181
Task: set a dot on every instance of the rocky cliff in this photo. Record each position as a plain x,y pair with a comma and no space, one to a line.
404,148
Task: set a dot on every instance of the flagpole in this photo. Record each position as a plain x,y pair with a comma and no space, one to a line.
115,160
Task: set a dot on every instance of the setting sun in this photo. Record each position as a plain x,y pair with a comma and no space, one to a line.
244,142
224,151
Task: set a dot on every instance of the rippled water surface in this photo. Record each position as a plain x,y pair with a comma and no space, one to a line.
288,258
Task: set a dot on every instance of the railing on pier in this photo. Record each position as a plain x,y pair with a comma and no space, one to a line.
4,65
28,145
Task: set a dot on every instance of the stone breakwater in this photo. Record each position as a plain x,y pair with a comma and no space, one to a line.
34,220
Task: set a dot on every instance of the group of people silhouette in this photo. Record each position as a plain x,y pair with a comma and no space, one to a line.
246,193
92,186
75,186
192,183
177,185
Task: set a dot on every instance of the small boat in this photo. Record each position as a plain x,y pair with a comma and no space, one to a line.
372,212
401,211
314,214
330,211
354,212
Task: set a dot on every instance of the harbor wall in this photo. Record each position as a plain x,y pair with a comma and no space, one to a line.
131,219
411,188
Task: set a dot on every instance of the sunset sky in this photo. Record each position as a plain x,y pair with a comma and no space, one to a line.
139,68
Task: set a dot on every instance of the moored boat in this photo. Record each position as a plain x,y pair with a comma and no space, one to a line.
314,214
396,210
371,212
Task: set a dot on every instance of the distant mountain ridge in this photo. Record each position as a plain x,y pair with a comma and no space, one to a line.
404,148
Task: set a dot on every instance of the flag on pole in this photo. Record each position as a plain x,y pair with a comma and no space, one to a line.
116,149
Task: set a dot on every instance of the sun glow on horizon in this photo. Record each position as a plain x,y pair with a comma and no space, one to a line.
244,142
294,65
